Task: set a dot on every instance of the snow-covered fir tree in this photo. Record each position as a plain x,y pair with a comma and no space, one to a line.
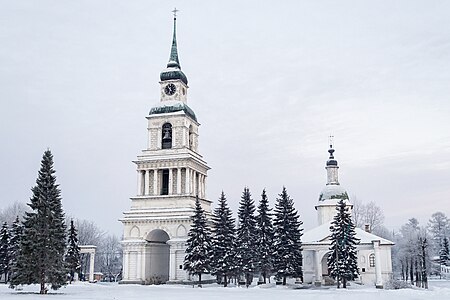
223,230
4,251
287,239
73,256
444,253
264,237
246,237
199,248
43,243
14,242
342,260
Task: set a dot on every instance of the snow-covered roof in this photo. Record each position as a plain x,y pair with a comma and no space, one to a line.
320,235
169,106
333,191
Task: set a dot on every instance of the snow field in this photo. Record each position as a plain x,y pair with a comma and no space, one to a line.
113,291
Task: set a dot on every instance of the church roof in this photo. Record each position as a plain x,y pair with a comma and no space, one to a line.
321,235
170,106
173,70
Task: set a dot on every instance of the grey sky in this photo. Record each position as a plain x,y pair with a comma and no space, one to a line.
269,82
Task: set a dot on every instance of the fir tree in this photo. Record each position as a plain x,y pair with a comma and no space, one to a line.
264,237
246,237
199,248
287,239
444,253
223,229
4,251
43,242
73,257
342,261
14,243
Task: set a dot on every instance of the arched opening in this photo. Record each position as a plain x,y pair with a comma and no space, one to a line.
166,136
165,182
157,266
325,271
191,137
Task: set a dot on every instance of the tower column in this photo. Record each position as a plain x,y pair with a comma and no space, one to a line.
202,186
318,268
138,192
178,181
188,182
147,182
155,182
378,278
194,183
170,181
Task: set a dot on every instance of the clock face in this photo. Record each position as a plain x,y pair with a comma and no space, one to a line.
170,89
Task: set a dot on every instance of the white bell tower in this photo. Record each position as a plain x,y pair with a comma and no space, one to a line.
171,173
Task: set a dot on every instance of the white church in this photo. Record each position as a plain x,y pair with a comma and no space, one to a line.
171,173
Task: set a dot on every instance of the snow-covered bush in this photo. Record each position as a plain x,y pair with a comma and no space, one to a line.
395,284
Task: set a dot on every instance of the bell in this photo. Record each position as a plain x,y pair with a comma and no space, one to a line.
166,135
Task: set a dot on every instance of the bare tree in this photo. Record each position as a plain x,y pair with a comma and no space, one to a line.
9,213
110,257
439,228
367,214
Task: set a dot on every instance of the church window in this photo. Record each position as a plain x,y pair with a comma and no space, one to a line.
372,260
167,136
181,267
165,182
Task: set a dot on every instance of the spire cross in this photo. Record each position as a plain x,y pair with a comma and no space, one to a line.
330,139
175,12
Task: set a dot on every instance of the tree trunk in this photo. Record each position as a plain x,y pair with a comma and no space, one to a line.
200,280
411,271
264,276
225,280
284,279
344,283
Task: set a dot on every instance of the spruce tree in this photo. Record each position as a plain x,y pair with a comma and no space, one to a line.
43,242
223,229
444,253
14,243
4,251
287,239
264,237
73,257
199,249
246,237
342,260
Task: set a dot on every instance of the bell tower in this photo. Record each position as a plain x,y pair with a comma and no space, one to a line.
171,173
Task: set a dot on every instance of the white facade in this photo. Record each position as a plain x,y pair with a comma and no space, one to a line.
170,175
373,252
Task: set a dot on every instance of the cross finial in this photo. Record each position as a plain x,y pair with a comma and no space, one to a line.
330,139
175,12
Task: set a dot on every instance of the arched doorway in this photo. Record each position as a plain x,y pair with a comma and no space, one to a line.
157,266
324,265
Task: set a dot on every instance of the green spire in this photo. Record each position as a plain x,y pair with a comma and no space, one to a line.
173,70
173,60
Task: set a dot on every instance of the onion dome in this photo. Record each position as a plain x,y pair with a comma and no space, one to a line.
173,70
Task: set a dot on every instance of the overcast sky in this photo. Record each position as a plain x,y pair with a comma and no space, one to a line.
269,83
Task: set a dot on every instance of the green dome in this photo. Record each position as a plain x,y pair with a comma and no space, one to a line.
172,73
171,106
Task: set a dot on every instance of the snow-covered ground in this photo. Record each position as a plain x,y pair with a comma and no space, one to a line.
439,289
